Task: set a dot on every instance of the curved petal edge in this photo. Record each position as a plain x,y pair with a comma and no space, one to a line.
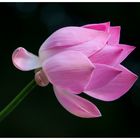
116,88
24,60
75,104
70,70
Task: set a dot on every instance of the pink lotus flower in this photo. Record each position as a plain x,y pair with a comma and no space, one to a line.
81,59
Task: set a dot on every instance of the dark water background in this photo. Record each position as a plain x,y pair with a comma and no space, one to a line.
40,115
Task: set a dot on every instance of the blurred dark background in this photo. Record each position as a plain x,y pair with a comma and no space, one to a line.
40,114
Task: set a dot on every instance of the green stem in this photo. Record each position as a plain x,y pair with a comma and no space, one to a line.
15,102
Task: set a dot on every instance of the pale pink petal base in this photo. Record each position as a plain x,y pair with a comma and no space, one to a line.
69,69
116,88
24,60
75,104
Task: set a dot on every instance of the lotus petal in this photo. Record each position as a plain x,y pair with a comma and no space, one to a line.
116,88
75,104
69,69
24,60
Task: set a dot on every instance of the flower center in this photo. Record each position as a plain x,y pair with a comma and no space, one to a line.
41,78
